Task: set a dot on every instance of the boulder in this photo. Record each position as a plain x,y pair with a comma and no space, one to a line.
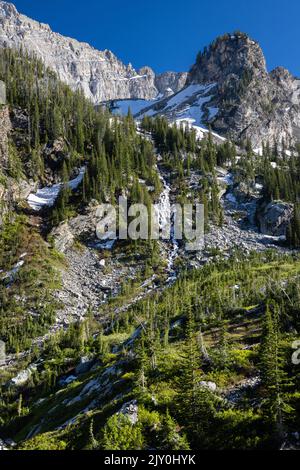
275,217
130,410
84,365
62,237
22,377
209,385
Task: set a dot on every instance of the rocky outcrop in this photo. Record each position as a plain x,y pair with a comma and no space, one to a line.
84,365
100,74
230,90
251,102
169,83
228,55
275,217
81,228
62,237
22,377
11,190
130,410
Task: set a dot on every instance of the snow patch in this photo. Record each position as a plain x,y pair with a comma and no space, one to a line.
46,197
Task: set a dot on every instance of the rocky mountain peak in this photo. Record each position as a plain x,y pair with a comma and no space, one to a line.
8,10
230,90
280,73
231,54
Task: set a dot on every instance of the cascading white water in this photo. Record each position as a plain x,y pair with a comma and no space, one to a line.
165,216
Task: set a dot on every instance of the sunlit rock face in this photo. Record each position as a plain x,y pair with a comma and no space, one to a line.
252,103
100,74
230,91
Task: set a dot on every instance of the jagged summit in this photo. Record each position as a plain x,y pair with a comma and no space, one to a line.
229,54
8,9
100,74
230,90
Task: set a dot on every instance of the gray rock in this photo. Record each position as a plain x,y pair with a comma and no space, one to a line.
209,385
23,376
130,410
67,380
247,101
84,365
251,102
5,128
170,82
62,237
275,217
100,74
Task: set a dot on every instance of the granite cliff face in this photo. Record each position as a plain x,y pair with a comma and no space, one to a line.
100,74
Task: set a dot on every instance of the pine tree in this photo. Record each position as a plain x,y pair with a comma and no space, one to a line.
272,372
92,442
190,373
141,374
293,229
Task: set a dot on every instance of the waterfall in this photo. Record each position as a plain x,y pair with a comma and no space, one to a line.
165,216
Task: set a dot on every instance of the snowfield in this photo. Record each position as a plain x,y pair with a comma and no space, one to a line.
185,107
46,197
121,106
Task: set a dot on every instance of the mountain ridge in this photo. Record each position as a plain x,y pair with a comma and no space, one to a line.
247,101
99,74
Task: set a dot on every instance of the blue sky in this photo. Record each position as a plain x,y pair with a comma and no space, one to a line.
166,34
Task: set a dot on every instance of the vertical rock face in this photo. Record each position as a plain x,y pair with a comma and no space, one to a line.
100,74
5,128
228,55
170,82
